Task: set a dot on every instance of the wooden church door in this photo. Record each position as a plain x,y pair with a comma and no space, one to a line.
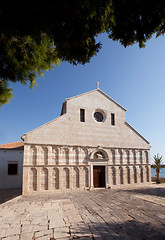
99,176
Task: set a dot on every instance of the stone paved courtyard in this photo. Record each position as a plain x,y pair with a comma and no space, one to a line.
128,213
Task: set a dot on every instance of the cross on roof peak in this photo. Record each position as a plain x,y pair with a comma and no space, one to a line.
97,85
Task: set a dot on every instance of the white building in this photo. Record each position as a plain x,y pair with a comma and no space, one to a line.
89,146
11,161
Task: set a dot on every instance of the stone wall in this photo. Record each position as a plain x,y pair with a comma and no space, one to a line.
153,179
52,167
69,130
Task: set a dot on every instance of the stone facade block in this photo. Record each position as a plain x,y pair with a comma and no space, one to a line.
93,153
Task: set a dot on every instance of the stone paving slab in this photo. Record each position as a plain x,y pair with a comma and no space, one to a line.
127,213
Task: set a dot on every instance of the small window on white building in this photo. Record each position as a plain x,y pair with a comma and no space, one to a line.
112,119
12,168
82,115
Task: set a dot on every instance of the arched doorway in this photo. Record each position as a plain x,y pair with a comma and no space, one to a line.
98,162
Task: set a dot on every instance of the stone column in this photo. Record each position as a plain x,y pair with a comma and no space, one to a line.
131,175
137,157
71,177
113,156
85,156
106,177
147,157
88,179
140,157
61,156
117,175
77,155
33,154
56,155
81,178
50,162
78,177
149,172
120,151
147,167
125,177
128,156
110,181
91,177
117,156
144,174
39,169
50,178
113,175
80,155
124,156
30,155
61,177
70,155
65,155
121,175
131,156
39,156
26,159
138,174
134,174
134,156
45,155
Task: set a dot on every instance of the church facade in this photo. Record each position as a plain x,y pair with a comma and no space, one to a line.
89,146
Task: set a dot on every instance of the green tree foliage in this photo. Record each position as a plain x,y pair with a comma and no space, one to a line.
5,92
158,161
42,33
137,20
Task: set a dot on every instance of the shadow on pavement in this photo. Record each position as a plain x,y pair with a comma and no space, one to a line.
8,194
130,230
160,192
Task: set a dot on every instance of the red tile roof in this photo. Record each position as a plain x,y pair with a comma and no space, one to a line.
14,145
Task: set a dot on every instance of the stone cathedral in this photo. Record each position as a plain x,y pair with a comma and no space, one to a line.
89,146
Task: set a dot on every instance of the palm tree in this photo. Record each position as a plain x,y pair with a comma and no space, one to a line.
158,161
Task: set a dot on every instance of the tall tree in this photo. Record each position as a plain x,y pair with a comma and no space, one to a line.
158,161
42,33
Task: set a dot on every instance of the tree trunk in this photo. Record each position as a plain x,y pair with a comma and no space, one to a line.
157,177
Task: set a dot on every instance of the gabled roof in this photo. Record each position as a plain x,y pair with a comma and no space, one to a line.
98,90
13,146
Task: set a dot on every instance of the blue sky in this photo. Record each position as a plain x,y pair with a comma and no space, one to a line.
133,77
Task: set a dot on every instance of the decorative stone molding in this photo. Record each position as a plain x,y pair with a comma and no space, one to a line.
63,167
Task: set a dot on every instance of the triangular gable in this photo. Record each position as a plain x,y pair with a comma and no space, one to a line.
98,90
42,126
128,125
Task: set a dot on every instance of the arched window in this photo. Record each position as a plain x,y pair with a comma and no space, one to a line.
33,179
34,155
135,175
67,178
121,175
114,176
44,179
128,175
76,171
